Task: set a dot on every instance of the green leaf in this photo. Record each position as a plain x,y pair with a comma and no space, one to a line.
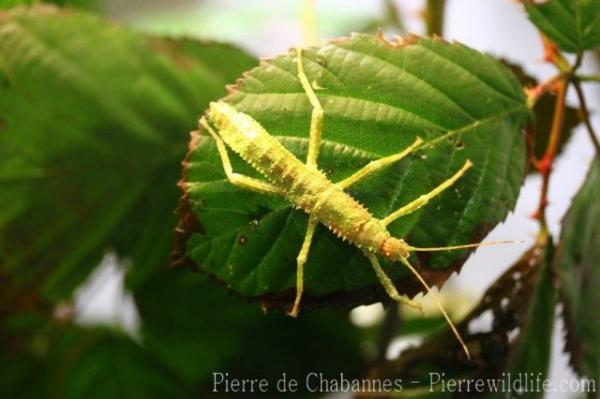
532,349
94,121
578,266
104,364
378,97
573,24
190,324
6,4
74,362
507,333
197,328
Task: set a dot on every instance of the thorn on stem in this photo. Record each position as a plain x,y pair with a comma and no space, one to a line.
550,50
544,165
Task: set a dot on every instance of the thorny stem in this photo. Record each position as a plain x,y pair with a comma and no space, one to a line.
434,17
552,55
534,93
546,163
585,115
560,84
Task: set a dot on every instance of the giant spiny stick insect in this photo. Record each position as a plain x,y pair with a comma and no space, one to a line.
324,201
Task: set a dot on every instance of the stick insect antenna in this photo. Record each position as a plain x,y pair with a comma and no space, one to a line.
439,305
464,246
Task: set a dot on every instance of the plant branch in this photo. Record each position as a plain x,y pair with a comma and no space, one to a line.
585,114
554,56
534,93
434,17
588,78
545,165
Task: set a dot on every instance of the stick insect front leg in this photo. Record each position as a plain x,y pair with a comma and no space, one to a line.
236,179
425,198
374,166
316,118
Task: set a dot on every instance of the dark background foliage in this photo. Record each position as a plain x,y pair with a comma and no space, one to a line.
95,119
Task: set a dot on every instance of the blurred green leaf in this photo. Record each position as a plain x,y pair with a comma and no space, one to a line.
21,314
75,362
104,364
572,24
6,4
190,324
94,121
197,328
530,354
378,97
190,328
578,266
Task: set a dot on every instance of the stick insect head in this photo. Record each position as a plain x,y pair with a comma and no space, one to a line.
394,249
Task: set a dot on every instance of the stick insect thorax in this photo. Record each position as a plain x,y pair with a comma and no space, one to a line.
305,187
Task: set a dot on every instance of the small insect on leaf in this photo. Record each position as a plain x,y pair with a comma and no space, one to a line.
334,239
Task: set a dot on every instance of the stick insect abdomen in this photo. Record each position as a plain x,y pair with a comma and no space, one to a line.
349,220
305,187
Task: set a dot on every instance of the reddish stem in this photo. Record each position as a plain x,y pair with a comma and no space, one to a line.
545,165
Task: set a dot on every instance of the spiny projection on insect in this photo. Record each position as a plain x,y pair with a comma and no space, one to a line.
324,201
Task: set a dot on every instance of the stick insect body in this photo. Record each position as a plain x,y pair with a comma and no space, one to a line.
324,201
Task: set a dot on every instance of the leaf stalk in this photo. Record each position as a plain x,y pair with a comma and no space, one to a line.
585,114
434,17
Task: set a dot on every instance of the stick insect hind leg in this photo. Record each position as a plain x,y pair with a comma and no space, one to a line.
387,283
425,198
236,179
390,289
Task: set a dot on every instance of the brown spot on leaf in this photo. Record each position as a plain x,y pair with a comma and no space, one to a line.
398,42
